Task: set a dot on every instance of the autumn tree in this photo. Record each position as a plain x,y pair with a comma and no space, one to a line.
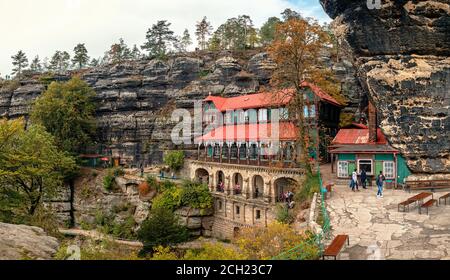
80,58
119,52
19,62
36,66
296,50
267,31
203,30
159,39
31,169
60,62
67,111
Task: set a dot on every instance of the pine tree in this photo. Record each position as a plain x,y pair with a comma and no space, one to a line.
119,52
94,62
60,62
80,57
203,30
288,14
36,66
186,40
136,53
20,62
158,39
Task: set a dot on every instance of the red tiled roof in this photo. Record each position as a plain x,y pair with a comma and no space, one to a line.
265,99
321,94
357,136
250,132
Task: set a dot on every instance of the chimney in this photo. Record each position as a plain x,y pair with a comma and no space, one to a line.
373,124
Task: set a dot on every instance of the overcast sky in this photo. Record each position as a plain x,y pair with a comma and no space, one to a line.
44,26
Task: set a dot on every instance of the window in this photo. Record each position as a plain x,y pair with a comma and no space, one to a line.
365,164
284,114
262,115
342,168
220,205
252,116
229,117
388,169
258,214
238,210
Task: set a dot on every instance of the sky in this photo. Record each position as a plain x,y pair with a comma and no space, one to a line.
44,26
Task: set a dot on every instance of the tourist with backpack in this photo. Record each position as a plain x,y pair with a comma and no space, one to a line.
380,181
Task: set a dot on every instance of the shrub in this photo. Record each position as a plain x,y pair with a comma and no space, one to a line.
169,199
161,229
125,229
162,253
144,188
196,195
214,251
108,182
310,186
174,159
283,215
262,243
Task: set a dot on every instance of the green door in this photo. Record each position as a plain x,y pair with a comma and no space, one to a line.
351,167
402,169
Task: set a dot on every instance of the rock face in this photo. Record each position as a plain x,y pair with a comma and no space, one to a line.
402,51
19,242
135,99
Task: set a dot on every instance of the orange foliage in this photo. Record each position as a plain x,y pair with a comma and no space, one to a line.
144,188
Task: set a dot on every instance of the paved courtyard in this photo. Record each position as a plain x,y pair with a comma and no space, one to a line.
378,231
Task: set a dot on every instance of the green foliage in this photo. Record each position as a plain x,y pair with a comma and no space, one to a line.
94,250
310,186
236,33
47,78
283,215
108,182
346,119
20,62
80,58
190,194
202,31
60,62
267,31
214,251
67,111
161,229
196,195
125,229
158,39
174,159
105,222
203,73
31,168
119,52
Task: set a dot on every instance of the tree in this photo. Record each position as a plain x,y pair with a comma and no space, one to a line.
161,229
67,111
119,52
94,62
186,40
136,53
263,243
296,50
267,31
159,38
203,30
20,62
60,62
288,14
31,168
236,33
80,57
36,66
174,159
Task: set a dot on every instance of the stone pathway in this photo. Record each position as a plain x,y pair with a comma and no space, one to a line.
378,231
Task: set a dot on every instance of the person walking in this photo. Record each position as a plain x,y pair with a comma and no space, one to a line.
355,180
363,178
380,181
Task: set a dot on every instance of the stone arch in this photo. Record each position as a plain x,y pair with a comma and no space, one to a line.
220,181
257,186
236,232
202,175
237,182
283,184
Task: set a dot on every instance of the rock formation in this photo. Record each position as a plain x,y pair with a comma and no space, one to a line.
402,54
135,99
19,242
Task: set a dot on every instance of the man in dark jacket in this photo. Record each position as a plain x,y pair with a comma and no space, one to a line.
363,178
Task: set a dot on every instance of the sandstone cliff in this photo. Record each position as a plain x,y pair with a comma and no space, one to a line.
135,99
402,54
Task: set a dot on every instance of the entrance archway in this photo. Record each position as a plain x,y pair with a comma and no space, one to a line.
220,181
282,185
257,186
202,176
237,183
236,232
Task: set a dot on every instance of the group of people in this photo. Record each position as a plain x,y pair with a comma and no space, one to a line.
288,197
363,180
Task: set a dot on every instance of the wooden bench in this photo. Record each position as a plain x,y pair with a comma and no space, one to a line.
427,205
427,184
336,246
444,197
405,204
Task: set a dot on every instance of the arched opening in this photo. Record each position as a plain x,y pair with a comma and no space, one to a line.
220,183
216,151
236,232
202,176
257,186
283,187
237,183
202,152
225,151
234,151
243,151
